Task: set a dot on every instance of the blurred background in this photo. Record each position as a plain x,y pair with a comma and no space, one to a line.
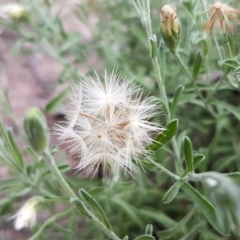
46,45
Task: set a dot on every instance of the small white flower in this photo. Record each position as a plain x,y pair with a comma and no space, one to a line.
26,217
12,10
109,123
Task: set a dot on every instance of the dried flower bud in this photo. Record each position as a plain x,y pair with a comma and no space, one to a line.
170,27
36,129
222,13
27,215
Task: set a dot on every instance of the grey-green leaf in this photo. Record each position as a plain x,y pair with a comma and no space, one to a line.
145,237
165,136
172,192
80,206
94,205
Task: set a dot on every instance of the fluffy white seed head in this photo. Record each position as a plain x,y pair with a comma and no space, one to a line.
109,123
26,217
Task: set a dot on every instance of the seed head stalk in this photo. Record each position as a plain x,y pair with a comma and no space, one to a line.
51,163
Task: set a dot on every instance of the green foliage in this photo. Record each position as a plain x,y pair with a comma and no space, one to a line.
190,188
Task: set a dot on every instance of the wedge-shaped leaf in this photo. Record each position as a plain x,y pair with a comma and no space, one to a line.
126,238
187,146
82,208
145,237
149,229
56,101
165,136
197,65
177,94
172,192
96,208
178,228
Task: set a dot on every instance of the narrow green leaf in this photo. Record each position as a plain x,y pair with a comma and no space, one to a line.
205,46
172,192
205,206
197,160
176,229
162,58
187,146
64,167
132,212
32,153
126,238
149,229
189,7
197,65
73,39
80,206
94,205
165,136
16,151
145,237
56,101
158,216
232,64
177,94
153,43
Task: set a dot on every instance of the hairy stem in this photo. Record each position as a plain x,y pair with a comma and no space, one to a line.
178,58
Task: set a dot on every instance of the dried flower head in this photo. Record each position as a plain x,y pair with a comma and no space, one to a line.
170,26
26,217
109,124
222,12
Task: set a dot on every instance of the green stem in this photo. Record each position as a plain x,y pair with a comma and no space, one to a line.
167,110
52,165
161,88
169,173
178,58
228,46
219,83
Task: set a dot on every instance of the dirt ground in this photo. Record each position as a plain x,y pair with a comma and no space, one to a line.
29,81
